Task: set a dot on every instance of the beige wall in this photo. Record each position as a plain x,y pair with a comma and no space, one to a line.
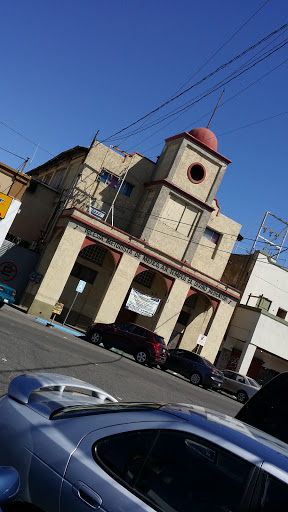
217,331
212,166
56,265
86,305
211,258
36,210
5,183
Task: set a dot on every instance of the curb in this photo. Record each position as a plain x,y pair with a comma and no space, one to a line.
60,327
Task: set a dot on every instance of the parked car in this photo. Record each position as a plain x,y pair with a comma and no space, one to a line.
241,386
77,452
146,346
196,368
7,295
9,484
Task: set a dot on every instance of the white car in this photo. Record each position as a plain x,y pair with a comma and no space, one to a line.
241,386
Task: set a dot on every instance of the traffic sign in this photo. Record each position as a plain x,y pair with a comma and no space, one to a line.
5,202
58,308
80,287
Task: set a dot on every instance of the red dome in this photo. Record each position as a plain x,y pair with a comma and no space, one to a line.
205,136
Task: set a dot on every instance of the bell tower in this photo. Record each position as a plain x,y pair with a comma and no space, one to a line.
180,198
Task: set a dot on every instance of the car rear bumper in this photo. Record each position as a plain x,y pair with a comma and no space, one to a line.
214,382
7,299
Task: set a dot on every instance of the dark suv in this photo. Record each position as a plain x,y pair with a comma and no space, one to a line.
146,346
197,369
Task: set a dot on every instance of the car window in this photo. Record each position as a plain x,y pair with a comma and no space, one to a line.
121,326
123,454
139,331
184,473
230,375
240,379
253,382
208,363
273,495
193,357
159,339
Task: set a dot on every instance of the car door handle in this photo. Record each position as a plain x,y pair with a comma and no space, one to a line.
87,495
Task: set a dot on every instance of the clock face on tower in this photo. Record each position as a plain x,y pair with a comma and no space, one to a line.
196,173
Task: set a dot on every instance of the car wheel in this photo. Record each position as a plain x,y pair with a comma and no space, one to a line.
96,337
242,397
141,357
195,378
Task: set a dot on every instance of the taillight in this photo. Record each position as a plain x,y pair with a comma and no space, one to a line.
1,288
157,347
215,372
13,293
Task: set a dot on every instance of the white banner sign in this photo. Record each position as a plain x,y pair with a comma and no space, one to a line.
141,303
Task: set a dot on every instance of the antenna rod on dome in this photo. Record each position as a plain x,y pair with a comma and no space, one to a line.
215,108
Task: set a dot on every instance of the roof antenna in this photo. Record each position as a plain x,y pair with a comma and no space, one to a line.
215,109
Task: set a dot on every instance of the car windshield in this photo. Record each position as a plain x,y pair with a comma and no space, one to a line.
208,363
160,340
253,383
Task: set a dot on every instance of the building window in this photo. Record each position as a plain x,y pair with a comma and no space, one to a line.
84,273
94,253
183,318
179,215
145,278
211,235
46,179
58,176
196,173
263,303
115,182
281,313
191,301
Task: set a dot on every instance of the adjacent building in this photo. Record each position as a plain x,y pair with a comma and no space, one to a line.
256,342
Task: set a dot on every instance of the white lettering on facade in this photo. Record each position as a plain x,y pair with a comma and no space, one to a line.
159,265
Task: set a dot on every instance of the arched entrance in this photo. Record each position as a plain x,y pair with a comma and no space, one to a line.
95,265
151,283
193,320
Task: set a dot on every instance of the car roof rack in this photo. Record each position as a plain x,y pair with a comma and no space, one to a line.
21,387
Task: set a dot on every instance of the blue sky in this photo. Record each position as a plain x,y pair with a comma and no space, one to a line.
70,68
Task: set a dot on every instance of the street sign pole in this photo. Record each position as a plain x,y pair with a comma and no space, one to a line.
70,308
80,287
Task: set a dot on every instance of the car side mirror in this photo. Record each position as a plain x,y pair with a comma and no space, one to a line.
9,484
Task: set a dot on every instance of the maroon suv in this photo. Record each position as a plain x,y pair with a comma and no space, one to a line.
146,346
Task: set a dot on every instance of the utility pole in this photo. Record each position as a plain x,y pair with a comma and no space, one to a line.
24,165
122,181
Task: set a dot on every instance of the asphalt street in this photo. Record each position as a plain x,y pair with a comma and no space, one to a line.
26,345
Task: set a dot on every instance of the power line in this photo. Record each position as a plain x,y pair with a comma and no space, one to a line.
185,107
223,45
214,54
210,111
14,154
199,82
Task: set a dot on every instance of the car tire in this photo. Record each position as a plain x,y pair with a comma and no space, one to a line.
96,337
242,397
1,304
195,378
142,357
